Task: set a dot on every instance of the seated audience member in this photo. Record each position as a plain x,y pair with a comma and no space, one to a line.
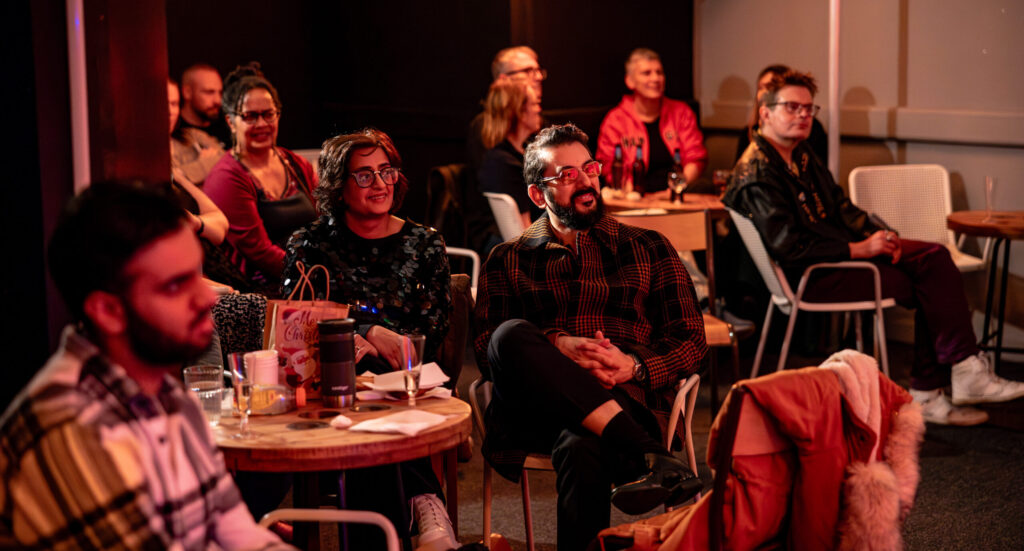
518,64
201,89
105,449
394,274
818,140
264,190
646,118
804,218
193,152
511,115
583,324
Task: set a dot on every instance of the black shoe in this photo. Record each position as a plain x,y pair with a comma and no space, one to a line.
669,481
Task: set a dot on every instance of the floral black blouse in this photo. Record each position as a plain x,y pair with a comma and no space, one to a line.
400,282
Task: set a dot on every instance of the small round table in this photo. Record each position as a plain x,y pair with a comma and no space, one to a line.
1002,227
302,442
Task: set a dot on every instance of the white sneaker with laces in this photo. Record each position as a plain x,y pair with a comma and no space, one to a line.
435,528
937,408
974,382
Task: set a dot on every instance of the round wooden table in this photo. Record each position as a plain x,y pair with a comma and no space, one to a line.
304,443
1003,227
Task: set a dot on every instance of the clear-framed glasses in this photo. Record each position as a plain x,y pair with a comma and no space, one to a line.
536,73
250,117
797,108
571,174
364,177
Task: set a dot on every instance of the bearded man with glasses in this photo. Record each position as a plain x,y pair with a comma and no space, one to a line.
583,324
804,218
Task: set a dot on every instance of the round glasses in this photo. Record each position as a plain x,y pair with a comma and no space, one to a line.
365,177
571,174
250,117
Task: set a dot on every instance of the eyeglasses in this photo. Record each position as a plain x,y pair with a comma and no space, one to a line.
270,115
797,108
571,174
536,73
365,177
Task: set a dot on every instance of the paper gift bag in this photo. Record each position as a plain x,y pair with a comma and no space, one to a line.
291,330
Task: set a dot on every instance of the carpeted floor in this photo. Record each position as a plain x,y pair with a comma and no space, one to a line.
971,494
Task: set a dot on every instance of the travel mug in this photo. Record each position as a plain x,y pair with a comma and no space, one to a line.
337,362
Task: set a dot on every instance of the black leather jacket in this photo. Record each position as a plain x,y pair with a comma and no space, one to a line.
803,219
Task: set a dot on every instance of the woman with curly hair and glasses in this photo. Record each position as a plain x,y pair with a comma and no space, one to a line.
394,275
266,191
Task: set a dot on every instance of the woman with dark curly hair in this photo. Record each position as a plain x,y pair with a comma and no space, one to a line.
394,275
266,191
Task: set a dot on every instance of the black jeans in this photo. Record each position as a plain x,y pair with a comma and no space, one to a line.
547,395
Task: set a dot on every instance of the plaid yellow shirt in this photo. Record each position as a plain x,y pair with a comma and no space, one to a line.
90,462
624,281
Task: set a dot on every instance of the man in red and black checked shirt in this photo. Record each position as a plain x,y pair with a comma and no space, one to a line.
583,324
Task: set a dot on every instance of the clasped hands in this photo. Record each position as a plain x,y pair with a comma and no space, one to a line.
599,357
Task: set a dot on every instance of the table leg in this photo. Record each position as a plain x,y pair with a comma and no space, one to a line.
451,459
990,292
1002,303
343,527
306,495
403,508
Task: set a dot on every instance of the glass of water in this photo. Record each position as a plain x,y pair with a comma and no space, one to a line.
207,383
412,361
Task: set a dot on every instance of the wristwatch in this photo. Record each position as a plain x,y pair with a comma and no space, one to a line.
639,373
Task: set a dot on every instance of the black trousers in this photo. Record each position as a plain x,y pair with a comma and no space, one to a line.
545,396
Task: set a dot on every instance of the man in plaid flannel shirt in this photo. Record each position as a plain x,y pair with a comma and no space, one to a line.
104,449
583,324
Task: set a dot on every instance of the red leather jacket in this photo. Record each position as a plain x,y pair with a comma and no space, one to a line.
623,126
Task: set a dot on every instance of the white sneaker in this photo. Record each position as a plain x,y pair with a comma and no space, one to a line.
975,382
435,528
937,408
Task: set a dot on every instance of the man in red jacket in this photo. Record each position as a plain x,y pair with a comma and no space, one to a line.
658,125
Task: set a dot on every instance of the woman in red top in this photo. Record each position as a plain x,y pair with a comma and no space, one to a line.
264,190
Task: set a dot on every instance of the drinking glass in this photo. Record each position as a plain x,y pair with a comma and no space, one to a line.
412,361
207,382
242,383
720,178
990,184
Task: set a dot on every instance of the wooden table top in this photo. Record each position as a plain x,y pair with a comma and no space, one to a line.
659,200
1002,224
327,448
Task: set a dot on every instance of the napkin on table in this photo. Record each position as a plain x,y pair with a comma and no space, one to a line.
409,422
394,381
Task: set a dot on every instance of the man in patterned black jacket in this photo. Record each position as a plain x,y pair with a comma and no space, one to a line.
583,324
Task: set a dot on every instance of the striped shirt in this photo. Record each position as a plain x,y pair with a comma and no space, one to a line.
624,281
91,462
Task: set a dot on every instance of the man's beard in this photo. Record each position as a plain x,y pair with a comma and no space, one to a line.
208,118
572,218
149,343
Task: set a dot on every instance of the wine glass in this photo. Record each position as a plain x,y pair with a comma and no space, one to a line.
242,383
412,362
990,184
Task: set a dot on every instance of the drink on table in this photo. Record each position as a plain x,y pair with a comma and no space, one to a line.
207,383
412,362
639,169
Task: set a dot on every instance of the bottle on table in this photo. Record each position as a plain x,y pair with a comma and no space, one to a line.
676,179
616,182
639,169
337,362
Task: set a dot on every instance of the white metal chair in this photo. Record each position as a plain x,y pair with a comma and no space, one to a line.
474,258
506,214
790,303
480,396
336,515
914,200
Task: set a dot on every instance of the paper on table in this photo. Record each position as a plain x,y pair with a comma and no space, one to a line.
409,422
436,392
430,376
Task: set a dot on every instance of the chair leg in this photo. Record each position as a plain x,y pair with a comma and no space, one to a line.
764,337
527,510
785,342
859,331
487,504
881,345
713,378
